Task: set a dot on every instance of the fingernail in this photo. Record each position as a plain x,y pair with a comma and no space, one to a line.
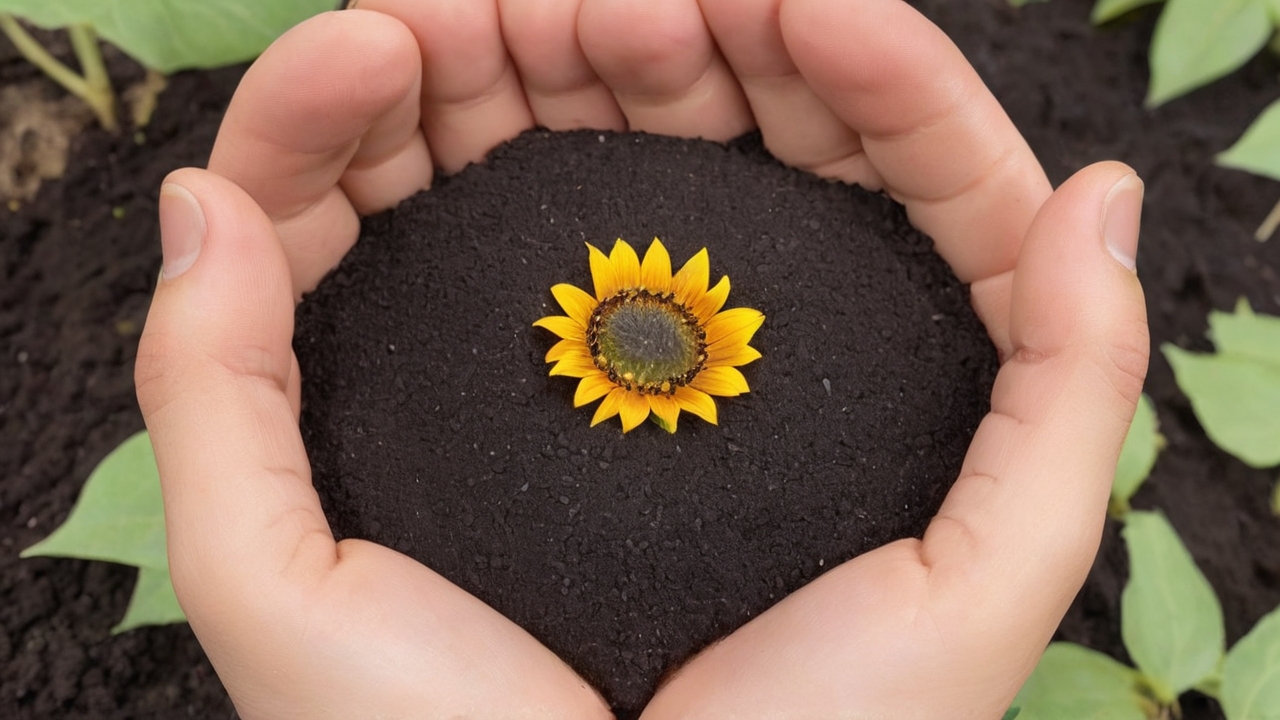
1122,220
182,229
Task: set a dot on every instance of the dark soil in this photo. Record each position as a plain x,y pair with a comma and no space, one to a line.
75,287
433,428
76,281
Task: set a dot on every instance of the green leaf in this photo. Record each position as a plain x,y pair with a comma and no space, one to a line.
1012,713
1247,334
1021,3
1236,392
153,602
1251,673
1170,618
119,516
1108,10
1137,457
1258,150
1199,41
171,35
1076,683
46,14
1237,401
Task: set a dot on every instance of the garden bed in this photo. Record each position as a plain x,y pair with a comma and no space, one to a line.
80,260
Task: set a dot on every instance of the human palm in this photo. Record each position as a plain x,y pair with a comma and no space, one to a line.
353,111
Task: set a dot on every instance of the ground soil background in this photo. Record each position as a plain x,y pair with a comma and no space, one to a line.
75,281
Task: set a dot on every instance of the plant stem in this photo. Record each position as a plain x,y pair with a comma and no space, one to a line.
1118,508
101,97
1268,226
142,98
38,56
61,74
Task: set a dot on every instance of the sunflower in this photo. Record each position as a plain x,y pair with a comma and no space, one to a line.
649,341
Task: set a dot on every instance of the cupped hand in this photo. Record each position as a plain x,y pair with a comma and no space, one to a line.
353,111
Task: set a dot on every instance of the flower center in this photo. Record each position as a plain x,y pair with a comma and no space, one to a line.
646,342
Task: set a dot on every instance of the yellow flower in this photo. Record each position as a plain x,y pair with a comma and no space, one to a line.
649,341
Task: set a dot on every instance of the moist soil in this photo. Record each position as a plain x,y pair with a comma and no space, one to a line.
80,260
433,428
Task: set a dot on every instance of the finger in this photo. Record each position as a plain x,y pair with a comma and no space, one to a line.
990,298
932,130
1018,532
797,126
472,99
215,372
325,125
660,61
562,89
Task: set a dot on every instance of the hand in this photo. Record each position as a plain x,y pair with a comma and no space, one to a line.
350,112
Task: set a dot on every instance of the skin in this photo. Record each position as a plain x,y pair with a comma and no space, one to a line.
352,111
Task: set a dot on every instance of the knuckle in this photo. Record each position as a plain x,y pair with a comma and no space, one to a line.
257,362
1126,358
153,374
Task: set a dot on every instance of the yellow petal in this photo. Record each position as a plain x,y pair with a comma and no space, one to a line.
565,327
708,305
696,402
608,407
634,409
606,280
731,354
729,326
568,348
592,388
737,339
626,265
574,365
577,304
724,381
655,271
667,410
691,282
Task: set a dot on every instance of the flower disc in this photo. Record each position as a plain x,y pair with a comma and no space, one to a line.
646,342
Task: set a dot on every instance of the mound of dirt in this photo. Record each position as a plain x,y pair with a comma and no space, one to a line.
434,429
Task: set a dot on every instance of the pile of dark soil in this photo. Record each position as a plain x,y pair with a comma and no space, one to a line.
75,281
433,428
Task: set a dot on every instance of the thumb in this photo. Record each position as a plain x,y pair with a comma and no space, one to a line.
1018,532
219,387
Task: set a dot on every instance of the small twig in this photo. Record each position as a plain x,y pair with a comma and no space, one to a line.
61,74
1268,226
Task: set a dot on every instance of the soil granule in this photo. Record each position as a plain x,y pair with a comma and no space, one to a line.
433,427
